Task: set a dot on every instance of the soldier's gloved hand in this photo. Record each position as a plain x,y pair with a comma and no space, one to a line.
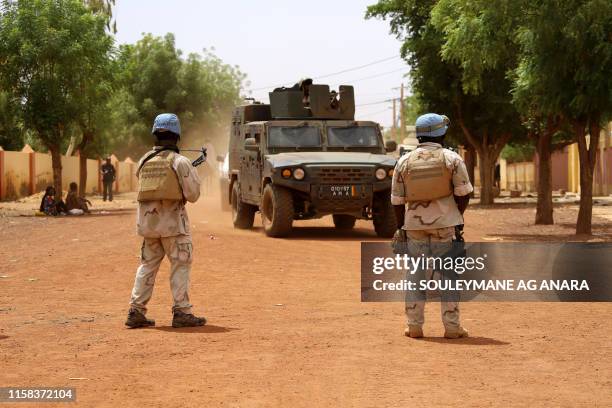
399,243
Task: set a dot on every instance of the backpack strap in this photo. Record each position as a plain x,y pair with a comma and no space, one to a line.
152,155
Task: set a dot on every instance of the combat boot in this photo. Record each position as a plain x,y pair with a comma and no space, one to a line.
136,319
414,331
455,333
181,319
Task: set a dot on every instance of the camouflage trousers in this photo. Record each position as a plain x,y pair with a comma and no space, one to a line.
432,242
179,251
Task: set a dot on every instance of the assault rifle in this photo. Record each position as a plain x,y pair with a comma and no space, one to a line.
200,159
459,233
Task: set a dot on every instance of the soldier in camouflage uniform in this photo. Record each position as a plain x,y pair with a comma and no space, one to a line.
166,181
430,191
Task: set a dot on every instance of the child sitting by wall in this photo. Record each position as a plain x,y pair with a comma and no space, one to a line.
76,205
50,206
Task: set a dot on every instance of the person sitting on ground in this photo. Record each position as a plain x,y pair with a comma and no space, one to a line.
74,202
49,205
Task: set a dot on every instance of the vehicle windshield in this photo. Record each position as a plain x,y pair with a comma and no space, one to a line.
354,136
294,137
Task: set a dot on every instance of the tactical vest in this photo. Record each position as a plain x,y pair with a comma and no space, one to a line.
157,180
426,176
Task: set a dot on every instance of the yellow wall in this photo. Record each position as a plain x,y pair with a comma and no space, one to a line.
503,174
602,165
92,176
44,171
16,177
521,176
124,176
513,176
70,170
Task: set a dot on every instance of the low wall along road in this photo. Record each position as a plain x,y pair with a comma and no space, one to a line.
27,172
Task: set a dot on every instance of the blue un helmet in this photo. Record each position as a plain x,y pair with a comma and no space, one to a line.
167,122
432,125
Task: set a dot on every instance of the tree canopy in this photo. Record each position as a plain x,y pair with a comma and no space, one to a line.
484,120
63,80
513,67
155,77
44,45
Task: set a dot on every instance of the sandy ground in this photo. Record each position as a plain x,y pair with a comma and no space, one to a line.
286,325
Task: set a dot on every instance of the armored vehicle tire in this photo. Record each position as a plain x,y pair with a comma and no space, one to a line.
384,216
344,221
276,211
243,214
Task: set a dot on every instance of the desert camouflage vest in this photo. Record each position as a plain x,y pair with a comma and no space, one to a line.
157,180
426,176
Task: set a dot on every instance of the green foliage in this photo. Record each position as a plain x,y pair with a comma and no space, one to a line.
11,127
44,45
439,79
478,37
481,116
412,109
154,77
566,58
518,152
104,8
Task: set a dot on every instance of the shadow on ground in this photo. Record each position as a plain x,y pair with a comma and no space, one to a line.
328,234
468,341
209,328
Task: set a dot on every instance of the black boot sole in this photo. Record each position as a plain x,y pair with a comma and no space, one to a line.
179,325
138,325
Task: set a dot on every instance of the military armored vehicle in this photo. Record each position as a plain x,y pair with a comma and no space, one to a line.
303,156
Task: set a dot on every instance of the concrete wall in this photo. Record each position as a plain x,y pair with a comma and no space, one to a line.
15,175
70,170
560,170
124,176
43,171
565,168
93,175
521,176
25,173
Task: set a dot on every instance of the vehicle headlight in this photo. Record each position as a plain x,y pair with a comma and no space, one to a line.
381,174
298,174
390,172
286,173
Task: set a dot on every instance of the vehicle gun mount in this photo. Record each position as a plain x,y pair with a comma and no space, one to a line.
306,100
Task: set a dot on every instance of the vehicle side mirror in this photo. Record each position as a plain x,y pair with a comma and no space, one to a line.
390,146
251,144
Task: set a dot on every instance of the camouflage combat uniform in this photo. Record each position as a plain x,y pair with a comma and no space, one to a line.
164,225
430,230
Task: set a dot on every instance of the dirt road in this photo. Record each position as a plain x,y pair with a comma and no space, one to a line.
286,325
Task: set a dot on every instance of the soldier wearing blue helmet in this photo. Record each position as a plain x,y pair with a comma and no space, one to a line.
166,181
430,191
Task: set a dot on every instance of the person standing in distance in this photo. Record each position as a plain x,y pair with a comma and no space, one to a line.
108,178
430,191
166,181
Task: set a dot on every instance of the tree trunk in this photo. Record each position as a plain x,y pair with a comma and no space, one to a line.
488,150
82,174
544,206
486,167
470,161
88,136
56,164
588,157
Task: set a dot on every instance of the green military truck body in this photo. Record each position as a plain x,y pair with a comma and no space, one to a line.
305,167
